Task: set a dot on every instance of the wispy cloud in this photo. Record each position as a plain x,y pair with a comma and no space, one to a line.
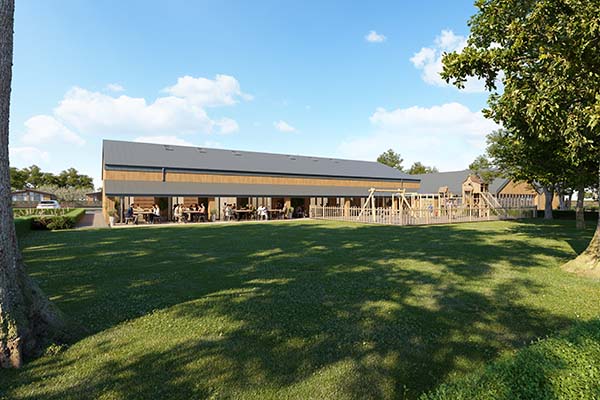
283,126
374,37
115,87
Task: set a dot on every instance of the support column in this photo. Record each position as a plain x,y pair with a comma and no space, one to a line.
373,211
346,207
108,205
211,205
287,204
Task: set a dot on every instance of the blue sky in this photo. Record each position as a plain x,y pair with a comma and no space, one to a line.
330,78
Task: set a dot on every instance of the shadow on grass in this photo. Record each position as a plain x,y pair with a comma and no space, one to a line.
382,311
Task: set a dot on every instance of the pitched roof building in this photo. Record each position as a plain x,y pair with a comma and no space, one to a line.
140,170
510,193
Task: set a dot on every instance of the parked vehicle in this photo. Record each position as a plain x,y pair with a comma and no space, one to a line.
48,204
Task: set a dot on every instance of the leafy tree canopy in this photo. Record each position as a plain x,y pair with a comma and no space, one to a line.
391,159
33,177
419,168
547,55
485,169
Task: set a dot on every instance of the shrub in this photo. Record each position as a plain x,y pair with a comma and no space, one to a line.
23,225
564,367
55,222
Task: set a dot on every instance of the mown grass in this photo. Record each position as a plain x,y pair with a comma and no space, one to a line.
563,367
296,310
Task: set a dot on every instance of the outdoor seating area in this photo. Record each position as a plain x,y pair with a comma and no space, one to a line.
262,212
181,213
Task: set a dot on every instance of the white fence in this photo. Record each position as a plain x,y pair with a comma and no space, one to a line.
389,216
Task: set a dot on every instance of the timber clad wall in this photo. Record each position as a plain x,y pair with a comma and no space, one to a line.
524,188
252,180
518,188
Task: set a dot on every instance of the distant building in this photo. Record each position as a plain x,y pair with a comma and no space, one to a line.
465,184
94,196
31,195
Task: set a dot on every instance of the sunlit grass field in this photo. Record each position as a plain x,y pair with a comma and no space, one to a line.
296,310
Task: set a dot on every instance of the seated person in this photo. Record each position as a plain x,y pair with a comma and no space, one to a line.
262,213
129,215
178,213
202,211
155,213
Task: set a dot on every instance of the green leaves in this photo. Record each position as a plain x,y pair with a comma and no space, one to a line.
547,53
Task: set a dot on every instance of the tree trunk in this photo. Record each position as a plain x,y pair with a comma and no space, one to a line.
579,211
27,318
562,205
549,196
588,262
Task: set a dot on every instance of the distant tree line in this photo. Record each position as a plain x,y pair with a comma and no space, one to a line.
394,160
34,178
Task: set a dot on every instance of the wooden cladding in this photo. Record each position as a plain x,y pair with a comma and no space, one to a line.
251,179
518,188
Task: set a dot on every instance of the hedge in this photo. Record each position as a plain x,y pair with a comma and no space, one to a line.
27,212
45,220
570,214
55,222
23,225
563,367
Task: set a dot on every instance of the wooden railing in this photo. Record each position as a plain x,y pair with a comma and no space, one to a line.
406,216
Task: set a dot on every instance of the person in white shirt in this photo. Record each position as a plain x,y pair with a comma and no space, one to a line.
155,212
228,212
178,214
262,212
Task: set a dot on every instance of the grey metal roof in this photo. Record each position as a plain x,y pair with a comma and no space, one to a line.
430,183
151,188
146,155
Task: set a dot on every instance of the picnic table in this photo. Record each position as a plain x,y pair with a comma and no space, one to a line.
191,214
243,212
275,213
144,214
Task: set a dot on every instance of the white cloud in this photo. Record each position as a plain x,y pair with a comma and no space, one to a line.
85,114
448,136
224,90
27,155
173,140
115,87
227,125
283,126
429,60
181,112
100,114
43,129
374,37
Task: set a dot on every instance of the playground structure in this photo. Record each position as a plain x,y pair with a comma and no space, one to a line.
409,208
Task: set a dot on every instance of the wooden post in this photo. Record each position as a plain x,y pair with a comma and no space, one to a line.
373,208
346,207
211,205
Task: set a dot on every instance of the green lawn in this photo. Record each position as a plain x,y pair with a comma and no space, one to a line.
296,310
